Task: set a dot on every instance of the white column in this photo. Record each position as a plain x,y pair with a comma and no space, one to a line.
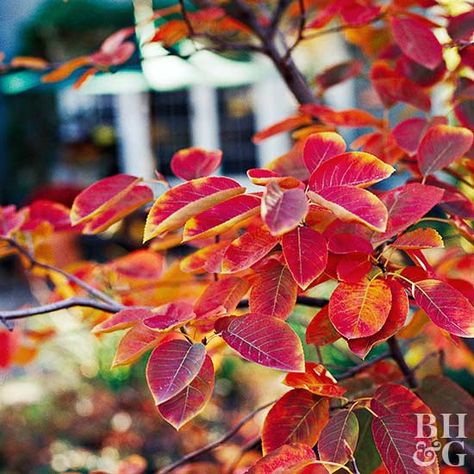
272,102
204,116
134,134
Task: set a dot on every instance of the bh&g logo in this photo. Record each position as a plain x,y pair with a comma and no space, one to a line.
453,430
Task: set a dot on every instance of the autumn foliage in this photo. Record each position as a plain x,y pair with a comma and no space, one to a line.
350,229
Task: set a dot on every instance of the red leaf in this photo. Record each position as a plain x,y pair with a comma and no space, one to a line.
10,220
395,321
317,380
353,268
262,339
192,399
273,292
173,208
298,417
353,204
396,440
248,249
289,456
208,259
172,366
306,254
284,126
192,163
393,399
122,320
354,168
320,147
320,330
360,309
424,238
51,212
417,41
406,205
283,210
6,349
136,341
262,176
169,316
221,297
447,307
109,200
222,217
408,134
344,243
360,12
337,74
442,145
342,118
338,439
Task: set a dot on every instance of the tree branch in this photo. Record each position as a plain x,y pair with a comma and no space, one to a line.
209,447
360,368
299,36
81,283
59,305
301,300
397,355
277,16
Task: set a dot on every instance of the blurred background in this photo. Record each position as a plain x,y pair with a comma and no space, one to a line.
66,411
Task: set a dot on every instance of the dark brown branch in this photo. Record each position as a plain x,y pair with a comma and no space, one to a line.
209,447
360,368
277,16
301,300
301,26
59,305
397,355
81,283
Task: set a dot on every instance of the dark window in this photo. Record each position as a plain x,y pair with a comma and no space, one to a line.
170,126
236,122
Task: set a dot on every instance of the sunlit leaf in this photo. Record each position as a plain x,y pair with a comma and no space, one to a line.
424,238
320,147
298,417
306,254
173,208
122,320
169,316
360,309
320,330
262,339
172,366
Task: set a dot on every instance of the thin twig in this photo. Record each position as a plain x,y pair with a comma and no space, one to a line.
397,355
59,305
360,368
300,300
81,283
299,36
209,447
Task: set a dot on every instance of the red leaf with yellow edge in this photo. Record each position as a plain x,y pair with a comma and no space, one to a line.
173,208
316,379
395,321
338,440
289,456
306,254
320,330
192,163
320,147
220,218
192,399
274,291
285,125
396,439
393,399
406,205
283,210
446,306
122,320
262,339
442,145
417,41
169,316
291,163
353,204
208,259
221,297
360,309
136,341
261,177
419,239
355,168
298,417
353,268
172,366
342,118
248,249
